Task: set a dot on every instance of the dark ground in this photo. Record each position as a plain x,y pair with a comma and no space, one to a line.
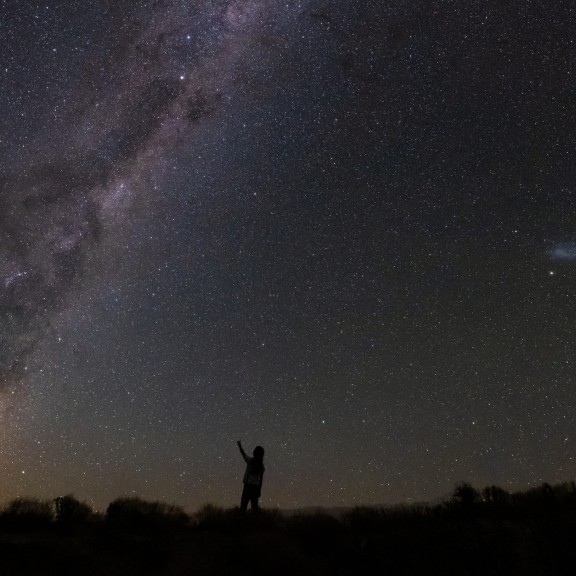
475,533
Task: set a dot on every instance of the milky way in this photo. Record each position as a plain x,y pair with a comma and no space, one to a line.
341,230
54,213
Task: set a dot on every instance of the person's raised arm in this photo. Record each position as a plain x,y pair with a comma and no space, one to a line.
244,455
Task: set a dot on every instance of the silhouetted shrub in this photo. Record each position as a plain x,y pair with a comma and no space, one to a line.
210,514
70,512
465,494
140,515
27,514
495,495
528,533
211,517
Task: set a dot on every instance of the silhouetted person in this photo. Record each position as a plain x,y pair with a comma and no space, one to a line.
252,477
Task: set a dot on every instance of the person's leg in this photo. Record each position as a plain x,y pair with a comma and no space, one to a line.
245,499
255,494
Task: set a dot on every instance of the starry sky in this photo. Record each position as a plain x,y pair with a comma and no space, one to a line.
343,230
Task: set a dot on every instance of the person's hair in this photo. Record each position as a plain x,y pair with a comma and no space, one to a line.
258,453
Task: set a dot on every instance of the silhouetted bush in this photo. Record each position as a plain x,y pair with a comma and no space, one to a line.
70,512
27,514
474,533
465,494
135,514
212,517
495,495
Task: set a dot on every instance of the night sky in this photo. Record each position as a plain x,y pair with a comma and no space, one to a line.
342,229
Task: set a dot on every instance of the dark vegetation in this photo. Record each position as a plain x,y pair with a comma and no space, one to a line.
476,532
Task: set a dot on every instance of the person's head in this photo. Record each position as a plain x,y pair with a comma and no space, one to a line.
258,453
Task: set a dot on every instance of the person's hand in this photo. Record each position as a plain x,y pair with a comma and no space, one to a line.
239,442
